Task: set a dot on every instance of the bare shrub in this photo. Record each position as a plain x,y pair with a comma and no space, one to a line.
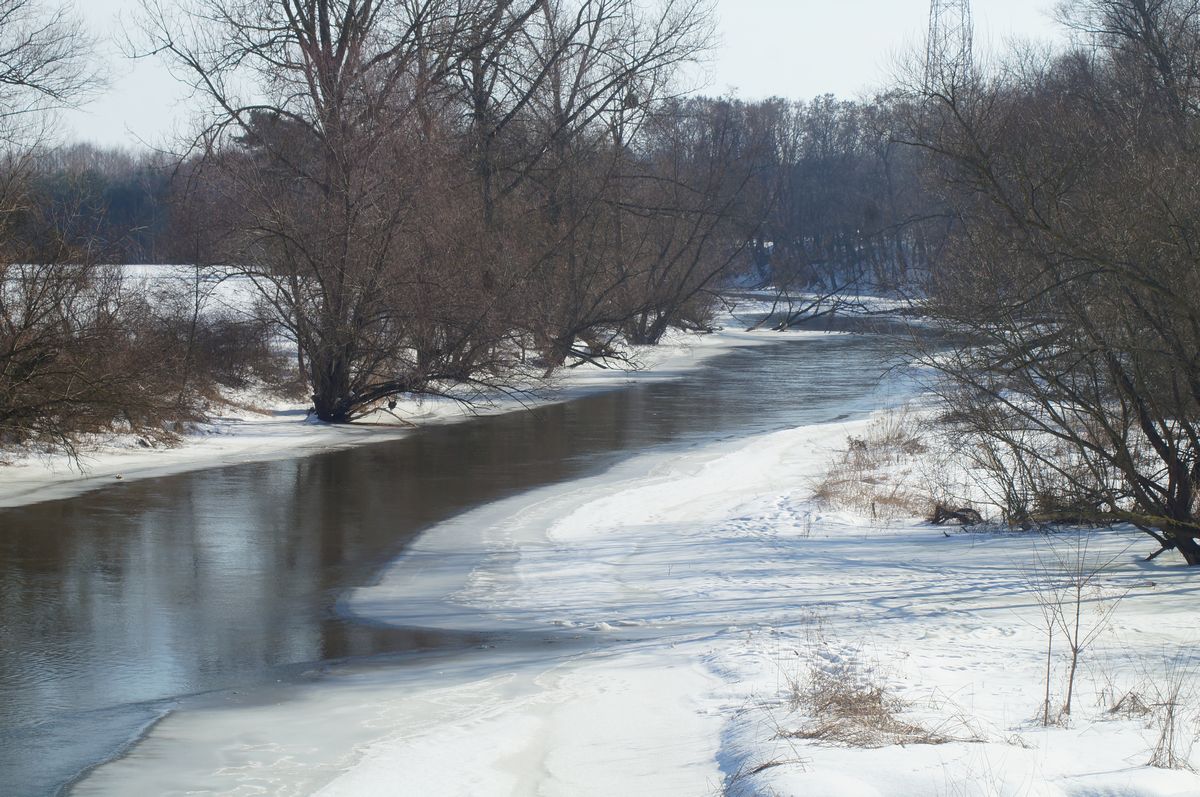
85,350
1029,491
79,353
224,350
1130,704
1172,714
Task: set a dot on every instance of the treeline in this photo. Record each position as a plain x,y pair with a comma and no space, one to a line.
849,207
112,203
839,194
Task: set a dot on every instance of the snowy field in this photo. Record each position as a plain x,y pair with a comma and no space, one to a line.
684,617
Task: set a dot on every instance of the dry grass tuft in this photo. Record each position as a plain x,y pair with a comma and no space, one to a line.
850,704
1165,702
875,475
848,710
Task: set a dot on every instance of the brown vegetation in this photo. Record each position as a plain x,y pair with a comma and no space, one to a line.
880,474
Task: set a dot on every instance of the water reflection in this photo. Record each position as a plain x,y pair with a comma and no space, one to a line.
118,600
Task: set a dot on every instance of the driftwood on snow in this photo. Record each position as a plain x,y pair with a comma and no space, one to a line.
964,516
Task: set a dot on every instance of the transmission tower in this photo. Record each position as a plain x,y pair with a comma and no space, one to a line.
948,50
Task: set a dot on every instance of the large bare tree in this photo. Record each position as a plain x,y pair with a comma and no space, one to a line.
1072,271
311,137
413,186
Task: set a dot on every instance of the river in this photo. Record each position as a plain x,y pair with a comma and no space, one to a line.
116,604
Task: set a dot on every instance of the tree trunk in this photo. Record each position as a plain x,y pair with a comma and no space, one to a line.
331,390
1189,548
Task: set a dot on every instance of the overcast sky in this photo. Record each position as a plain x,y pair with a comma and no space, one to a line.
787,48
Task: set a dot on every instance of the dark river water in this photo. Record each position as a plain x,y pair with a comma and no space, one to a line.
117,602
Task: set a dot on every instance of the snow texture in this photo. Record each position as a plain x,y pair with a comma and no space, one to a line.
656,623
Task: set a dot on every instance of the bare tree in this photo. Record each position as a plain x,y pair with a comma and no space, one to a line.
691,214
1066,582
310,137
610,68
1069,277
415,188
46,63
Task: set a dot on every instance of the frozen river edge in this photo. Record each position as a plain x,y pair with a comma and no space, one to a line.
285,432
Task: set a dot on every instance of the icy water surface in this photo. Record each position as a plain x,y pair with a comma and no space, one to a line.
115,603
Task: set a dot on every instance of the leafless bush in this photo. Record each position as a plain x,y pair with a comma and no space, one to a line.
1173,714
1130,704
238,353
223,350
84,350
79,353
1054,487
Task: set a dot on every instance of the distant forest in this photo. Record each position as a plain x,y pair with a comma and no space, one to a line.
112,202
840,197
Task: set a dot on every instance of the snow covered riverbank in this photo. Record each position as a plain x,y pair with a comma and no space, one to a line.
680,607
248,432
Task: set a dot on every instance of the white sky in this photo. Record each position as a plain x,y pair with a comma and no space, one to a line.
787,48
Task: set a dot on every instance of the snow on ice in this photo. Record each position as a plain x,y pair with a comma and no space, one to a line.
664,620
